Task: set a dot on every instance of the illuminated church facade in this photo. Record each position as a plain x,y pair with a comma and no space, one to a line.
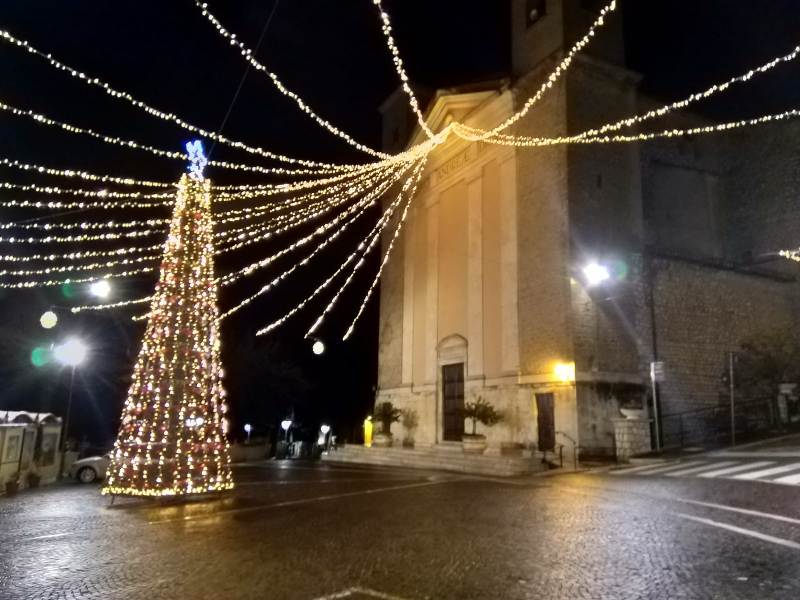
487,293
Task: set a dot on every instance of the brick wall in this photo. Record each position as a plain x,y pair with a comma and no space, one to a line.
704,312
763,191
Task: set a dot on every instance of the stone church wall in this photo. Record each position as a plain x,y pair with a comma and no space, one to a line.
515,403
702,313
543,233
390,346
763,192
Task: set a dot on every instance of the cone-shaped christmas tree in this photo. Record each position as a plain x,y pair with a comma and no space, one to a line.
171,440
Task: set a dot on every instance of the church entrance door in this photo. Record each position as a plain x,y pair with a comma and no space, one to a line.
453,401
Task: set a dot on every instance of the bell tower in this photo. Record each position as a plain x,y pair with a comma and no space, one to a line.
540,28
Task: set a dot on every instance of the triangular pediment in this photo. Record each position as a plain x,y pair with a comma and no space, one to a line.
453,105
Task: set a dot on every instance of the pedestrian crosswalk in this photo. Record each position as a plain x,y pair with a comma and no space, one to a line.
768,471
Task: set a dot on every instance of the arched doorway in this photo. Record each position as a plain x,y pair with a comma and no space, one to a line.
452,361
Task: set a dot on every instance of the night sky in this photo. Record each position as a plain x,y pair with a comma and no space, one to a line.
331,52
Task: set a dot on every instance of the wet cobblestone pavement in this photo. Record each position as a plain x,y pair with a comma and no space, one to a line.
318,531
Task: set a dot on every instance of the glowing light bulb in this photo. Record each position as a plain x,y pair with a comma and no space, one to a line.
48,320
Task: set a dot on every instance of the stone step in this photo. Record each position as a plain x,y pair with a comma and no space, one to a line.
436,459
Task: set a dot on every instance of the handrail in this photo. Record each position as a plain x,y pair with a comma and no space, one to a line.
574,449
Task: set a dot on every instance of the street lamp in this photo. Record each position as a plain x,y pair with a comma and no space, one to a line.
565,372
247,429
318,347
71,353
100,288
285,425
596,274
322,439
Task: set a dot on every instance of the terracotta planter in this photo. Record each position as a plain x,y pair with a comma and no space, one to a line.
473,444
382,440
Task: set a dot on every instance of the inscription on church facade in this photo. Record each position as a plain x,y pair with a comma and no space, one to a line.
460,160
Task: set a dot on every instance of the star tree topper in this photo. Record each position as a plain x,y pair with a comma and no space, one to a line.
197,158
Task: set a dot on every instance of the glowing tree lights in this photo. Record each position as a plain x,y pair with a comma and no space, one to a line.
791,254
171,439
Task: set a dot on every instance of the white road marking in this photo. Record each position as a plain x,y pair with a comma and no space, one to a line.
47,537
729,470
301,481
360,590
297,502
326,468
640,468
788,480
744,511
693,470
768,472
742,531
660,470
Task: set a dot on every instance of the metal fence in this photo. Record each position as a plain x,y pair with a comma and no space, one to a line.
713,425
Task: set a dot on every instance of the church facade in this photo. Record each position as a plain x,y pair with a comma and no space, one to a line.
487,294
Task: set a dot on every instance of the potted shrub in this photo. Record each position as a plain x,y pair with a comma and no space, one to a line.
479,411
386,414
410,420
12,485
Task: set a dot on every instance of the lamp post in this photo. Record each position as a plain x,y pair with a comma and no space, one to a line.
323,438
71,353
285,425
248,429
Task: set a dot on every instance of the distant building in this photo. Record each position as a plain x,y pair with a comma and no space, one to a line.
29,445
486,294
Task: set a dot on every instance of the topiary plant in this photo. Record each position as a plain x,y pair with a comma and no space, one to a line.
481,411
410,421
409,418
386,413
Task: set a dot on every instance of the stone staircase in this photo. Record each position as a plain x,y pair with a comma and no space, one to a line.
442,457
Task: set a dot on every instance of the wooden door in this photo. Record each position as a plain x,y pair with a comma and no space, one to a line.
453,401
545,419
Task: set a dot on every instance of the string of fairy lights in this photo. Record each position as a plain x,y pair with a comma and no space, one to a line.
791,254
333,185
311,208
386,28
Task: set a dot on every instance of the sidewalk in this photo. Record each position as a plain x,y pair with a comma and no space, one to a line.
787,446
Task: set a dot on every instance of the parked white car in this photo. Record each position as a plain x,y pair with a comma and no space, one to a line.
91,468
